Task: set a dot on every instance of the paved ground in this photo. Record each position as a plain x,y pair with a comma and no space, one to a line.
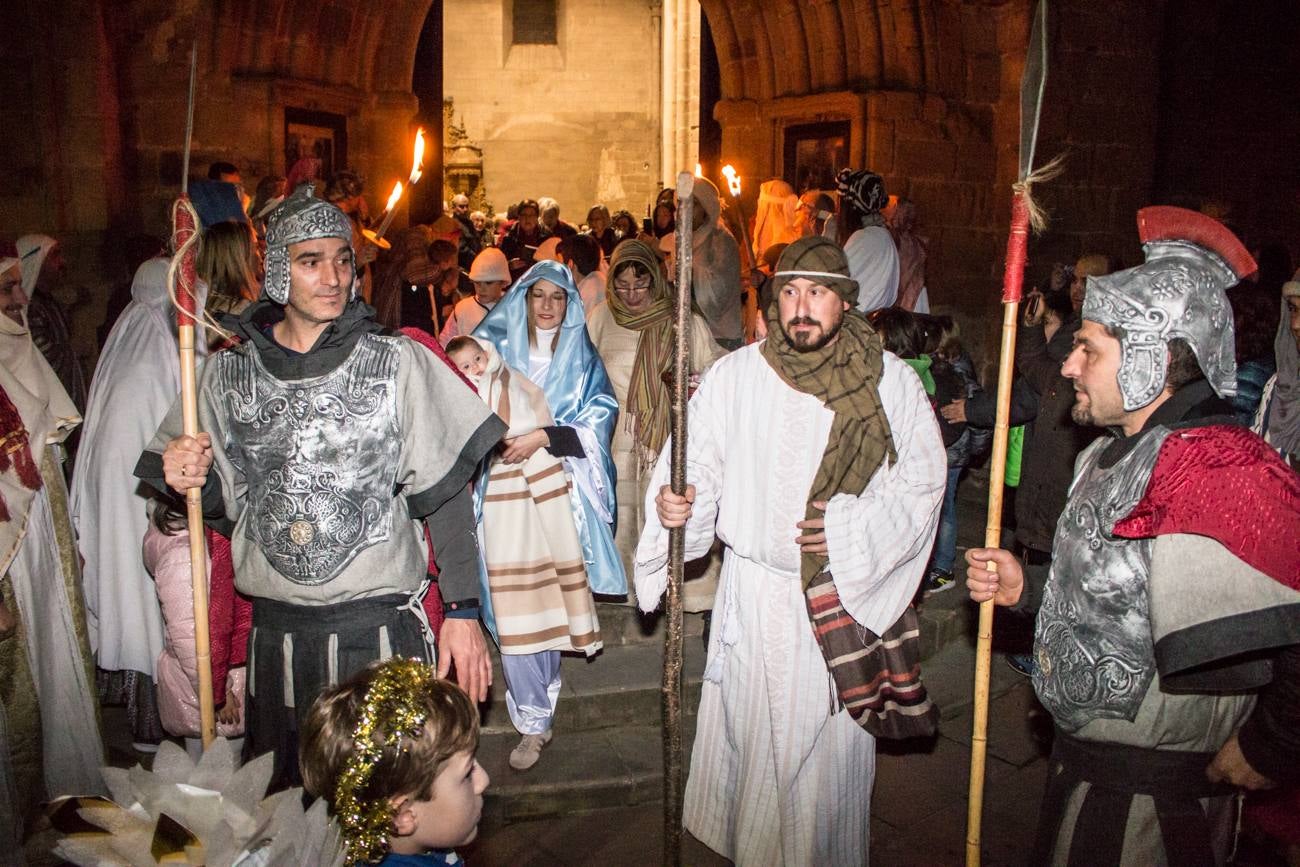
918,808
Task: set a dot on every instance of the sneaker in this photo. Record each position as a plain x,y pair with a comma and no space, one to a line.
937,581
529,750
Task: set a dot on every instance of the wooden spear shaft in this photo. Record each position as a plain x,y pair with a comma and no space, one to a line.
672,680
183,231
1012,281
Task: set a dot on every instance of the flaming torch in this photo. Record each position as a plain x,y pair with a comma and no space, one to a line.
386,219
753,316
733,187
390,210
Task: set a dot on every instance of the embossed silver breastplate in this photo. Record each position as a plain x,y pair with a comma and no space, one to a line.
1092,639
320,456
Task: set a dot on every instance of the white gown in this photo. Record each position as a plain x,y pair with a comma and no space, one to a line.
779,776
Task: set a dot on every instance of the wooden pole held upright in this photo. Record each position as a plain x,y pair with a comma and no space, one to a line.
184,229
672,680
1012,284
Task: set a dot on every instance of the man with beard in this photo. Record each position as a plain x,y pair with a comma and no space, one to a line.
1166,637
330,448
797,684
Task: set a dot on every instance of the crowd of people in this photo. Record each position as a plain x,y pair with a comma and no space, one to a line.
464,429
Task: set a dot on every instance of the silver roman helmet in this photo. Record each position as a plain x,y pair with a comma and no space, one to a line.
1178,292
301,217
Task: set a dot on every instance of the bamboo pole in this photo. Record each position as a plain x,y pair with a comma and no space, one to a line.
1012,281
184,231
672,676
198,546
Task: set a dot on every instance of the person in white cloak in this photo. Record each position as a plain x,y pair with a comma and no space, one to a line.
135,383
860,230
780,772
715,269
51,725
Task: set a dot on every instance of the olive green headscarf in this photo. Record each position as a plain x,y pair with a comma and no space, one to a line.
648,400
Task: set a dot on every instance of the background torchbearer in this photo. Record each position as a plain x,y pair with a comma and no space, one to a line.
1024,214
672,680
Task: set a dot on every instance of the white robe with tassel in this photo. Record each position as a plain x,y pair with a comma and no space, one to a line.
778,775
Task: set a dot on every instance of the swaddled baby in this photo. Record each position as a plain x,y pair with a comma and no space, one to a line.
506,391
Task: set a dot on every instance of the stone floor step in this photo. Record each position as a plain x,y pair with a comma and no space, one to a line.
625,624
619,686
584,770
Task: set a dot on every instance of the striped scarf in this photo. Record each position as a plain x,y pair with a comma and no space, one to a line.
648,400
845,376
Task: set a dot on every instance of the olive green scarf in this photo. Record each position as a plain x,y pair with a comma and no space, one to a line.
845,377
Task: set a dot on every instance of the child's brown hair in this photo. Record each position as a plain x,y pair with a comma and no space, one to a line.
408,763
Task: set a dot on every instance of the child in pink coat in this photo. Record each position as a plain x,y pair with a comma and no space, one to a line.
167,557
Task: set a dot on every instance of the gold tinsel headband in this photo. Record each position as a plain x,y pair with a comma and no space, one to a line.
391,711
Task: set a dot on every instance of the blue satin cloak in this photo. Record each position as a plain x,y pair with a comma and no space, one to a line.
580,395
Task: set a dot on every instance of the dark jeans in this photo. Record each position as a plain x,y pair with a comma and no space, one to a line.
945,542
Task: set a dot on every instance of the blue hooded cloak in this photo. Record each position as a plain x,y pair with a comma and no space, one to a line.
580,396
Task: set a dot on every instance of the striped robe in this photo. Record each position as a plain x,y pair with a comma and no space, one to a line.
539,598
780,775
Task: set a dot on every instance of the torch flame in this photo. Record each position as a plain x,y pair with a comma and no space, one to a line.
699,170
733,180
392,200
418,159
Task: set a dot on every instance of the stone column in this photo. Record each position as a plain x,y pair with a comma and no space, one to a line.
680,87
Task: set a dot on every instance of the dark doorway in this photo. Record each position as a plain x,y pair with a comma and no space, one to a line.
814,152
426,84
710,94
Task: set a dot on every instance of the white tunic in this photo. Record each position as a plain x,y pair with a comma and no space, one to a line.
779,776
873,262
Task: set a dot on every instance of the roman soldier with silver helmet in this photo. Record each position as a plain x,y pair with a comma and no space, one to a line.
1166,634
331,447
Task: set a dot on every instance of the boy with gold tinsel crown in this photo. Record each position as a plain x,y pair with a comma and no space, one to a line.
392,752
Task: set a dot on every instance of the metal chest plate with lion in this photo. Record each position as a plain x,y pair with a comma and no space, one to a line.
320,457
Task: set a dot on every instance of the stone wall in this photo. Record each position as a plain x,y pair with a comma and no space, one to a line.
578,121
1148,101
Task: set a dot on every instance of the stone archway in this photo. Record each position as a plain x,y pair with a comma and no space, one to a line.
921,86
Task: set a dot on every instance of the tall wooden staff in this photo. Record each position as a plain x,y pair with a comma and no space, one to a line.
1024,213
672,682
182,271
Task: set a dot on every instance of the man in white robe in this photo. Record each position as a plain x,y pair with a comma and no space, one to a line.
780,774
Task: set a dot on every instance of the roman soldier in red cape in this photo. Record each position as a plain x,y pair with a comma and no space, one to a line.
1167,639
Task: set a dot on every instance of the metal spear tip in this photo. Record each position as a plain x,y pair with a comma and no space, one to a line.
685,186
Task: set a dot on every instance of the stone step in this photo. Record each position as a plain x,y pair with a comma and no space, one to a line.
625,624
620,686
607,750
588,770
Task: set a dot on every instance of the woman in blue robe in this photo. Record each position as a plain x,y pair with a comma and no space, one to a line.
539,328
